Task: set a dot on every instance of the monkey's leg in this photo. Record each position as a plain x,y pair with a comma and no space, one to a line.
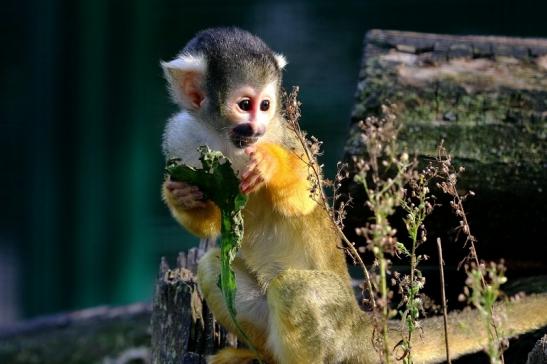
314,318
203,221
285,176
251,306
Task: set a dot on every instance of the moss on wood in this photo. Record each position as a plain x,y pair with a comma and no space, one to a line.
90,336
486,97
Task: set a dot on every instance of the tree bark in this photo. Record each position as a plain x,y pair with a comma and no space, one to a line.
176,328
486,97
538,355
95,335
183,329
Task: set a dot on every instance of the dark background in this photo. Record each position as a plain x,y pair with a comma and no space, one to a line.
83,105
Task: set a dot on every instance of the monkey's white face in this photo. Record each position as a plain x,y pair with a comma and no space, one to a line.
250,110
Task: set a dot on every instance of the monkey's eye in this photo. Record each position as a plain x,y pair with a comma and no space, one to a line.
265,105
245,105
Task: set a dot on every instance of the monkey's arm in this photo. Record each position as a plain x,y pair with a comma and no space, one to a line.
285,176
202,220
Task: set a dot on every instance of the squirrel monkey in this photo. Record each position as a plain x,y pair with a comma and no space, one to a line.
294,299
227,82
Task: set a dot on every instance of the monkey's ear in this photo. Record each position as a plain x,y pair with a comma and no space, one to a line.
281,60
186,75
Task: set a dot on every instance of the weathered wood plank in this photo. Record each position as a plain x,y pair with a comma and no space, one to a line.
183,329
95,335
176,328
538,355
486,97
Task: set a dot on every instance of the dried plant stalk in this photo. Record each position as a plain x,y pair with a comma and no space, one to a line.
383,173
392,182
483,279
443,294
311,148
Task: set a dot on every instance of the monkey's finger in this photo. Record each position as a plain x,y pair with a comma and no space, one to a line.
188,189
258,158
254,186
197,204
250,183
250,150
190,201
252,168
180,192
172,185
176,184
197,195
193,205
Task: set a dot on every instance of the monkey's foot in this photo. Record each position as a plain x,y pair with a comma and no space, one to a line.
232,356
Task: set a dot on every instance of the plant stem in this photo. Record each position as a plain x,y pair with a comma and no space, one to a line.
385,308
412,295
445,313
317,175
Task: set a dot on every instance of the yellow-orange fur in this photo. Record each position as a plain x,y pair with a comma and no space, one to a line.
286,175
233,356
284,229
294,300
200,221
318,321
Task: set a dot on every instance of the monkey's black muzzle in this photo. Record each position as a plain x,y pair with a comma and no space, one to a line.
244,135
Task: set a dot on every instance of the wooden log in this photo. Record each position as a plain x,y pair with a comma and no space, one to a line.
538,355
97,335
177,314
183,329
486,97
176,328
122,335
429,78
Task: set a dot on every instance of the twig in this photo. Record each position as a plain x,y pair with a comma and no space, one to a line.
295,127
448,186
445,313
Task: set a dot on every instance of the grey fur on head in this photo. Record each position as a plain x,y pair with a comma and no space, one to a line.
220,59
230,57
236,52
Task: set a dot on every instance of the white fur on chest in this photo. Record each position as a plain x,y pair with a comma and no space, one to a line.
183,135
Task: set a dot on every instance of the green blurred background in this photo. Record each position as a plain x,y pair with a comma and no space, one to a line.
83,105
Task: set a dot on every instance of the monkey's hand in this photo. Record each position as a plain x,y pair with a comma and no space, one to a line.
184,196
283,173
260,168
200,217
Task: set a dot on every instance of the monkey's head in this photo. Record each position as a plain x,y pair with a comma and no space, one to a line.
230,79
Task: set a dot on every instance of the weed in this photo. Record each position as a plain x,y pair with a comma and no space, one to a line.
393,183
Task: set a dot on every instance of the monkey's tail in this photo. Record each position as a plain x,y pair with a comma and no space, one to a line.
467,331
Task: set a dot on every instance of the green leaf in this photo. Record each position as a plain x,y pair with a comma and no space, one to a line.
218,181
